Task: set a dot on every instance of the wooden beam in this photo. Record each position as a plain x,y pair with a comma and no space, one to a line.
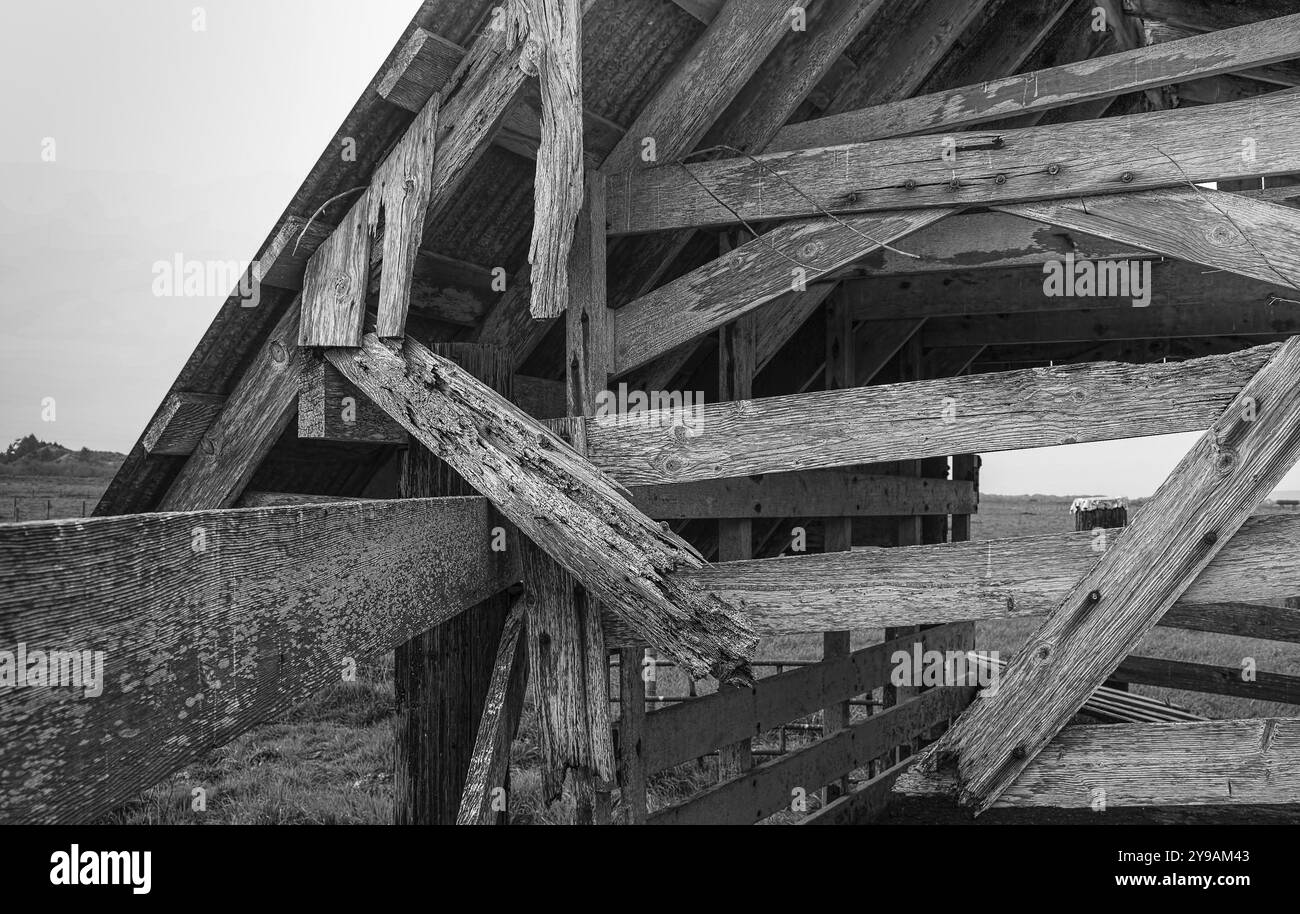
210,622
556,499
1249,620
181,422
821,493
1233,232
421,67
1202,763
879,587
1229,317
1209,15
1175,148
1215,487
766,789
557,24
778,262
1258,44
687,730
674,119
486,785
1035,408
1204,677
1019,297
251,421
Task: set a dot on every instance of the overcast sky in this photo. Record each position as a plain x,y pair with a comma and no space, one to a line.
170,141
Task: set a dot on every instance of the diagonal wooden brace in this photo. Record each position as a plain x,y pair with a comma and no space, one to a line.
558,500
1211,492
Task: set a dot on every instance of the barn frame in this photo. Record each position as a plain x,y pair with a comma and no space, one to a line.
834,218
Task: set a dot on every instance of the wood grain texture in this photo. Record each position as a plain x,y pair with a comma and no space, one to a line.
632,771
824,493
181,422
767,788
1252,45
1251,620
1232,232
283,263
331,408
1156,149
1211,492
989,412
589,333
556,499
334,289
566,663
490,764
251,421
421,66
399,195
210,622
557,189
749,276
702,84
864,804
876,587
687,730
1203,763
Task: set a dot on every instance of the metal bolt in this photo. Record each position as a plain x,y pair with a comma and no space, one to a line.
1210,538
1000,179
1127,177
1094,596
1053,169
1020,752
910,184
954,184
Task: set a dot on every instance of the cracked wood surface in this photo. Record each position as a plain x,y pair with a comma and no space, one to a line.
557,499
1222,479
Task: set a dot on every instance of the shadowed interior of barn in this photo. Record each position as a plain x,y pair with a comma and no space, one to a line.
838,249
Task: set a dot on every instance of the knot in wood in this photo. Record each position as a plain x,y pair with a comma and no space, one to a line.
1220,234
530,58
341,285
278,352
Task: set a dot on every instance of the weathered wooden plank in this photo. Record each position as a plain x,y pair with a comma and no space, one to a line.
282,499
421,67
181,422
878,587
557,190
863,805
210,622
1174,287
1211,492
1233,232
1252,45
1202,763
674,120
989,412
490,764
1250,620
687,730
556,499
253,417
767,788
589,334
632,770
333,297
331,408
568,690
1253,316
775,263
1119,154
1204,677
1210,15
822,493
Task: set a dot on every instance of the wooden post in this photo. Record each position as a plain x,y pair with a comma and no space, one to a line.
909,533
589,338
1090,513
965,468
631,730
841,372
737,365
442,677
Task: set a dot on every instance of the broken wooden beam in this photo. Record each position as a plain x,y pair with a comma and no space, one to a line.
1114,155
486,792
1194,513
556,499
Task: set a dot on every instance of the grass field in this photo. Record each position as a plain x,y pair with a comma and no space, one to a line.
330,760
